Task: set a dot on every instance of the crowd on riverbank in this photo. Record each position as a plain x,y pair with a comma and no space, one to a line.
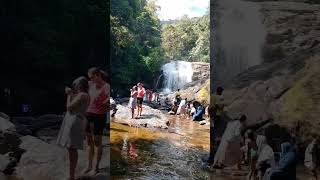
233,144
192,109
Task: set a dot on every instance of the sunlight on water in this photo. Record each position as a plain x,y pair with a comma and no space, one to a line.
173,153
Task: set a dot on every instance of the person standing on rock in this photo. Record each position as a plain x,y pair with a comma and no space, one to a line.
72,131
99,91
229,150
215,112
141,93
133,100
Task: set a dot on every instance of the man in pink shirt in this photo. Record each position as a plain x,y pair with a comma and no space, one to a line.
141,92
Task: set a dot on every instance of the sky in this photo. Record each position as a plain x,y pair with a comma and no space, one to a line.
174,9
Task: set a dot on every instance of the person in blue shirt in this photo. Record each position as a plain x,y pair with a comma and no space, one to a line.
287,164
198,116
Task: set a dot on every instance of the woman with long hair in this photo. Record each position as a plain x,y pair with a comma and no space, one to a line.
72,131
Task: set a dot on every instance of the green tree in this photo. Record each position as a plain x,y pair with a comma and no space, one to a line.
136,53
187,39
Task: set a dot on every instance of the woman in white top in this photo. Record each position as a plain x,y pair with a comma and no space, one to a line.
266,160
72,131
133,100
229,150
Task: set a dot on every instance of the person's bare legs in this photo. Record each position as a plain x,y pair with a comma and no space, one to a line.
140,109
73,159
90,152
132,113
98,144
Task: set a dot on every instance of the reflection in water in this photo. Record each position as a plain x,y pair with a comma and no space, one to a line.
174,153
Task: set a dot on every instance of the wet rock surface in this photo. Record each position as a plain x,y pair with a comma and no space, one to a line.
151,118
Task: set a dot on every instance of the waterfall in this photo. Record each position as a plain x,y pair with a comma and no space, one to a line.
176,75
241,36
157,83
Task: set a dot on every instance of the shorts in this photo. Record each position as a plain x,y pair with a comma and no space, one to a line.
139,100
97,122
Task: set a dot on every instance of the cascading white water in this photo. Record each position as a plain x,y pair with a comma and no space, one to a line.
241,35
176,75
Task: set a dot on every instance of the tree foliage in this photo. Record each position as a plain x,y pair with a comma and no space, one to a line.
47,44
136,53
187,39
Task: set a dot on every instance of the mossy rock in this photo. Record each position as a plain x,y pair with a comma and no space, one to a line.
302,102
204,93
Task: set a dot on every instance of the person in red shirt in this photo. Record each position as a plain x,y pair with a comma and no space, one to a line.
141,92
99,92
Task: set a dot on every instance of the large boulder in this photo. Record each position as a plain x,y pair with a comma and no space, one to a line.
4,161
5,123
49,120
30,125
48,161
152,118
256,100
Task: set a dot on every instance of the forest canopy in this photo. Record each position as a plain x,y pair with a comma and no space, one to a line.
141,43
187,39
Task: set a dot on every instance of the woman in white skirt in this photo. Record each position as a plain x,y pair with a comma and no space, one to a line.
72,131
133,100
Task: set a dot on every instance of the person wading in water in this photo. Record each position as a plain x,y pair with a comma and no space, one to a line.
99,91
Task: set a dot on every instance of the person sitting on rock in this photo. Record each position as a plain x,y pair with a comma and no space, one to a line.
266,159
192,108
250,149
174,108
181,107
198,116
286,168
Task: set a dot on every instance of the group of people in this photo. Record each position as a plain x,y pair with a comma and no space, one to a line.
192,109
137,94
87,108
239,144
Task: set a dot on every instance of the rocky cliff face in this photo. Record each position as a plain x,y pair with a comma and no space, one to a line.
286,86
201,71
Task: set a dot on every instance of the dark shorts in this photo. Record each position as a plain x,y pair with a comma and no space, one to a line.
139,100
97,122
